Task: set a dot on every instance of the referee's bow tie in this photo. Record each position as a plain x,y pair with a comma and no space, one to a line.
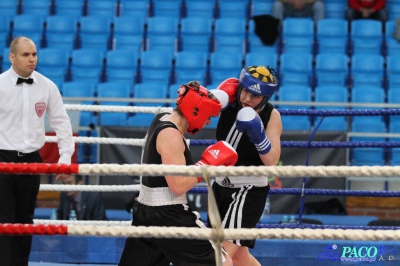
28,80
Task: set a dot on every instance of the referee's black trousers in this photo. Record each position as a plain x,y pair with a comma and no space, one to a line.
18,195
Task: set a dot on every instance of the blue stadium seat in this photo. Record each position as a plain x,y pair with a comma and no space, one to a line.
80,89
87,65
5,64
264,59
31,26
368,95
147,90
200,9
334,94
122,65
37,7
167,8
366,36
114,90
393,8
87,153
367,156
162,34
224,65
367,69
298,35
54,64
9,8
331,68
190,65
196,33
394,127
106,8
296,68
229,9
392,46
392,71
260,7
137,9
332,35
335,8
4,31
95,33
128,33
230,35
74,8
156,66
61,32
173,92
295,93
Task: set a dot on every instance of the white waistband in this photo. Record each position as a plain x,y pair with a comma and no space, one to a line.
159,196
240,181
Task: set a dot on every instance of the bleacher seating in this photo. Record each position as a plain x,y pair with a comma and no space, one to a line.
61,32
114,89
95,33
156,66
74,8
31,26
167,8
202,9
122,66
57,24
106,8
298,35
147,90
332,35
87,65
136,9
190,65
196,34
54,64
37,7
366,36
128,33
162,34
9,8
230,35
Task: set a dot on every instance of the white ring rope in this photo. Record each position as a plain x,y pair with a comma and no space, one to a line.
81,222
207,233
233,171
116,108
102,140
98,188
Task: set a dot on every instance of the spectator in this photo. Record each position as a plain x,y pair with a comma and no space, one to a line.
25,97
88,205
370,9
299,9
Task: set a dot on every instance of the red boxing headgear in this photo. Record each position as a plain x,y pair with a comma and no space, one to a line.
197,104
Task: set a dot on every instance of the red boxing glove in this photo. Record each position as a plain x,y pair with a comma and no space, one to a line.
220,153
230,86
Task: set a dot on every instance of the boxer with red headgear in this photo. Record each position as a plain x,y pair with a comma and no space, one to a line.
162,199
253,127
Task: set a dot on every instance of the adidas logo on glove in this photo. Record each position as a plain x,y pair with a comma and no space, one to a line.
214,153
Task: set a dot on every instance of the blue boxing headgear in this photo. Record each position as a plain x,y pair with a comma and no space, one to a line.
258,80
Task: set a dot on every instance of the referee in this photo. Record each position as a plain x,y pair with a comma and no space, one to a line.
25,95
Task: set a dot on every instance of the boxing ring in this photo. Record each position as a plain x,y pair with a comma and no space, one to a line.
369,237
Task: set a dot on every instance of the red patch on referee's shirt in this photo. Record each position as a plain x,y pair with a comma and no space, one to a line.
40,108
